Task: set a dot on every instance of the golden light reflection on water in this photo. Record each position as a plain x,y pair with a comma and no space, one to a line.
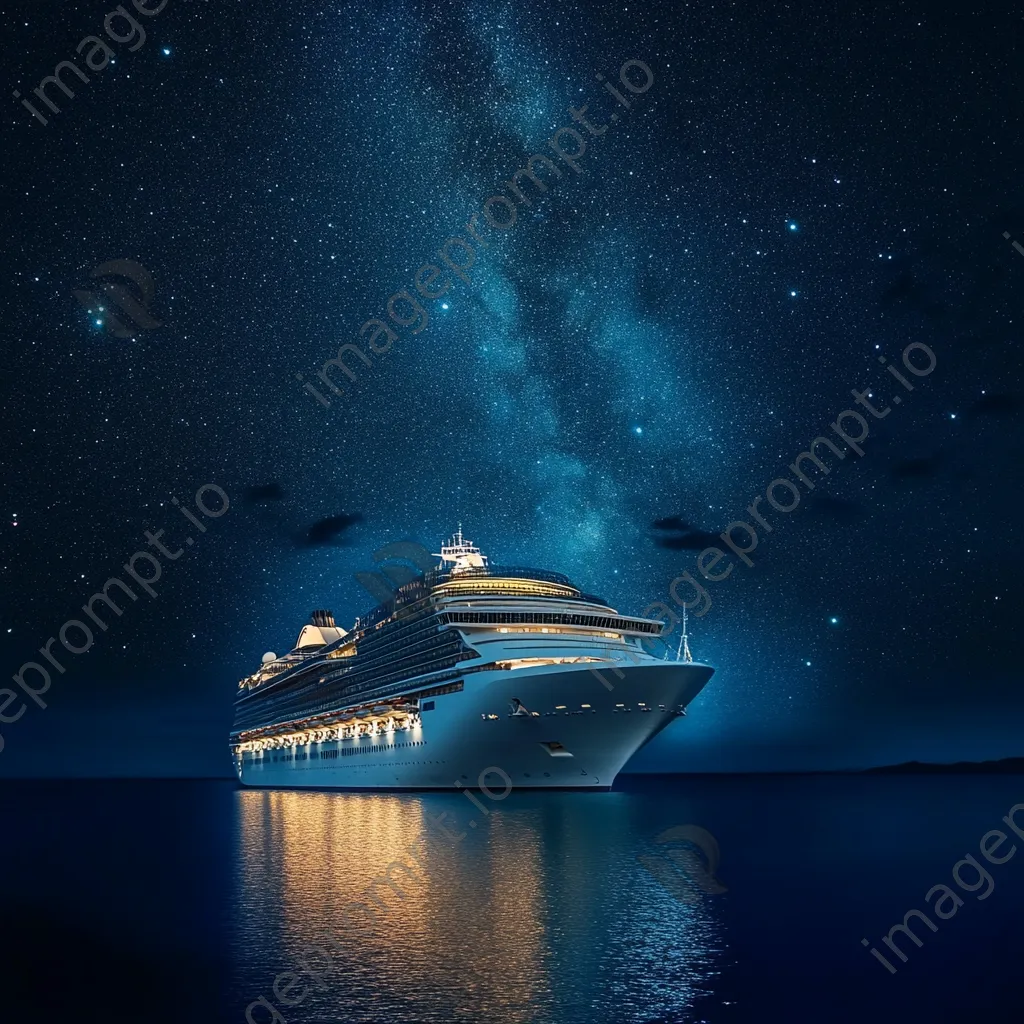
538,913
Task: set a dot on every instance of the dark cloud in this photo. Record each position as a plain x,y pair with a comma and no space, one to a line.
330,530
676,534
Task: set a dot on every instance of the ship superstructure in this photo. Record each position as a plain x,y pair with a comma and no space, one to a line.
469,668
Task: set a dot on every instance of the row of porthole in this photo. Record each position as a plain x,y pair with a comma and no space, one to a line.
586,707
335,753
396,764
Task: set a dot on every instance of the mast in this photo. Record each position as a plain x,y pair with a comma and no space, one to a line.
684,643
461,553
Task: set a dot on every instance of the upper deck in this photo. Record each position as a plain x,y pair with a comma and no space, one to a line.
464,593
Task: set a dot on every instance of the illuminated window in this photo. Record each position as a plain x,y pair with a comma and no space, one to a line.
503,585
531,662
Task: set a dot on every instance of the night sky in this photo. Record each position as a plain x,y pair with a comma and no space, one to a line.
803,189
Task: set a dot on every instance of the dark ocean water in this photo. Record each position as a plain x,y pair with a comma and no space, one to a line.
184,901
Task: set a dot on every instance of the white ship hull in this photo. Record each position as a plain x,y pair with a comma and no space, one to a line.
575,732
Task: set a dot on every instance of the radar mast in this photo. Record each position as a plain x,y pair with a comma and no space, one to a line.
684,643
460,553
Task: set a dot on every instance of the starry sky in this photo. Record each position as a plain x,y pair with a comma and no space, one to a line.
804,188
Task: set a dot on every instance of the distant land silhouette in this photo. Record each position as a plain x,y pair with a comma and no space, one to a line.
1006,766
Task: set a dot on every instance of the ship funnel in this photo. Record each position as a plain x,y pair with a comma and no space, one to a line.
322,629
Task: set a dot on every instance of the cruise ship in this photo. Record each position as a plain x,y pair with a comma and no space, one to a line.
469,675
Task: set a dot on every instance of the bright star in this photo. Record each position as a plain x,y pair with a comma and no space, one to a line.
834,620
638,430
793,294
167,51
792,225
444,305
